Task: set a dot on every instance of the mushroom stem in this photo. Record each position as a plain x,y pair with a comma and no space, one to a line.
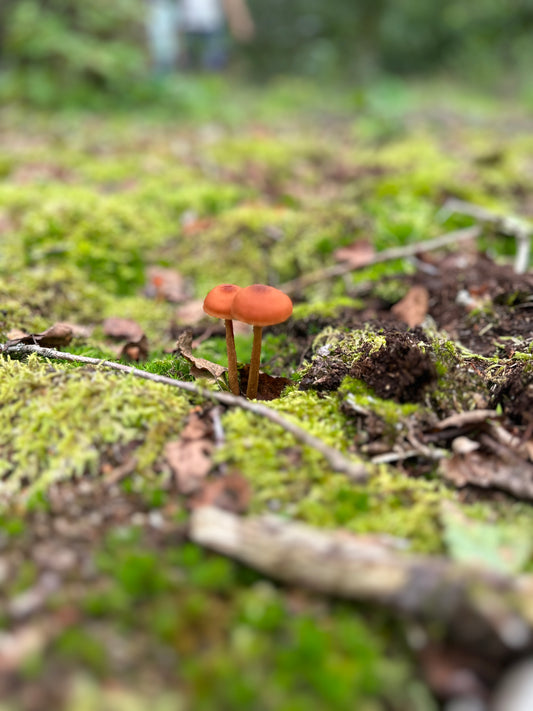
233,375
253,374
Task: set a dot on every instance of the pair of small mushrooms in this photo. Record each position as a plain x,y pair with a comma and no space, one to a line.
258,305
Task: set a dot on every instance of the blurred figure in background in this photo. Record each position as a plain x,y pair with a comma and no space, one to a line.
203,23
162,29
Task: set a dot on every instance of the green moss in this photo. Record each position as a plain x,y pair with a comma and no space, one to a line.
25,577
460,384
36,298
395,415
78,645
296,481
325,309
58,422
229,636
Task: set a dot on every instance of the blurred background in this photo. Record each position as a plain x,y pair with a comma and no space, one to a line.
75,52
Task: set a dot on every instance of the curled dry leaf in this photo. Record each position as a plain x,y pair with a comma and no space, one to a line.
165,284
60,334
412,309
510,473
200,367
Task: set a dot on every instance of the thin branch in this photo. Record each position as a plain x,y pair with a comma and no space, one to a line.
356,471
386,255
510,225
360,568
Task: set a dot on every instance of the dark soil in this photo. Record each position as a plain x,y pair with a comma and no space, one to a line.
485,306
515,394
400,370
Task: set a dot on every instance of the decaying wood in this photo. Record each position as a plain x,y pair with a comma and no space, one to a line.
386,255
356,471
471,601
505,224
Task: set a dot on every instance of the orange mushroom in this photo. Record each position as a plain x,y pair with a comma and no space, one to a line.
218,303
259,305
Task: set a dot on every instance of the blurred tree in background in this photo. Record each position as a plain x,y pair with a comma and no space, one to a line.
65,48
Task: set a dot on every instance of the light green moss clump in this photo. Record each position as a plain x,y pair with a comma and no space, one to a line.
38,297
280,469
219,621
460,386
56,423
396,415
296,481
325,309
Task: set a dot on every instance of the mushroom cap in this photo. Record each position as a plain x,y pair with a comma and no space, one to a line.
261,305
218,301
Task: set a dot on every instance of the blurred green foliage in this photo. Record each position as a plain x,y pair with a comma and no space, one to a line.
66,51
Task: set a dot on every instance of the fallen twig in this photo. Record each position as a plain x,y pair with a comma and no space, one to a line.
386,255
356,567
356,471
505,224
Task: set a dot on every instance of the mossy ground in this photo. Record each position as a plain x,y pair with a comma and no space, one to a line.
86,206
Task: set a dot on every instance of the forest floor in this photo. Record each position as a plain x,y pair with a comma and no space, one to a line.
362,539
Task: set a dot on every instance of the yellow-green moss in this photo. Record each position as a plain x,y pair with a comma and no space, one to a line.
296,481
56,423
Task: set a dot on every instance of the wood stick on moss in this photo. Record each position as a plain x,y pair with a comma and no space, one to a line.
511,225
356,471
386,255
358,568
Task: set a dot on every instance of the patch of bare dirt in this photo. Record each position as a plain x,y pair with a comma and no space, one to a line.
479,302
401,370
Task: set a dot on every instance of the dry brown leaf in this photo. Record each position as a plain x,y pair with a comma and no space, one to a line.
512,473
77,330
190,457
231,492
123,329
357,254
135,350
165,284
269,387
60,334
412,309
200,367
16,334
